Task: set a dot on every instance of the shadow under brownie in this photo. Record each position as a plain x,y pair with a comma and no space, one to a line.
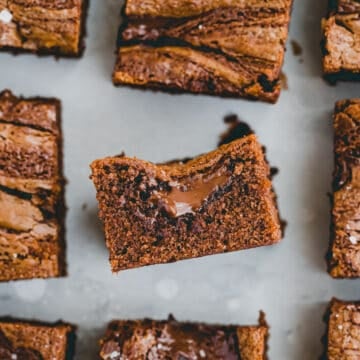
225,48
159,213
31,189
150,339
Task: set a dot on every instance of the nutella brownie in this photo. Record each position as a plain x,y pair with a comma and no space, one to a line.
341,40
344,254
43,26
149,339
158,213
342,340
218,47
31,189
29,340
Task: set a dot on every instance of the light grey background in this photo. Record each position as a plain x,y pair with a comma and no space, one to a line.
288,281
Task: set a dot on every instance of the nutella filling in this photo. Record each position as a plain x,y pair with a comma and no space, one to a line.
184,198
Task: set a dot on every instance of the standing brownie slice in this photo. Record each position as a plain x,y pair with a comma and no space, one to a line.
227,48
43,26
344,257
343,332
31,189
29,340
218,202
149,339
341,42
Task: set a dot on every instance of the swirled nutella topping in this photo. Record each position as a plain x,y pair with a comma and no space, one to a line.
188,196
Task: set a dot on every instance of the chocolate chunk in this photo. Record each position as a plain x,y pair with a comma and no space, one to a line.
157,213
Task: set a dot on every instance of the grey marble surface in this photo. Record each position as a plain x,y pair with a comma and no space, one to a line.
288,281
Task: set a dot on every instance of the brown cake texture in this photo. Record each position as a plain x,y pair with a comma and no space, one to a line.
31,189
158,213
30,340
341,40
342,340
43,26
150,339
231,48
344,254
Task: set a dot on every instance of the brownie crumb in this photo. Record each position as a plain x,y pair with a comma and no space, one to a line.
296,48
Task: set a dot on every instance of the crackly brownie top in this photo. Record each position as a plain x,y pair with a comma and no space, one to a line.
148,339
345,251
343,338
21,340
30,187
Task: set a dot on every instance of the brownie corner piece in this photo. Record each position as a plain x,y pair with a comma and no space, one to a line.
159,213
224,48
344,251
172,339
341,38
32,207
343,331
33,340
43,27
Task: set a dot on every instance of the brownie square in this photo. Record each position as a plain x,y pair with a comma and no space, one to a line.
43,26
217,47
342,339
341,40
30,340
150,339
344,254
31,189
158,213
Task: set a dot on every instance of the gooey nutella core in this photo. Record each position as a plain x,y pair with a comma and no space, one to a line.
189,196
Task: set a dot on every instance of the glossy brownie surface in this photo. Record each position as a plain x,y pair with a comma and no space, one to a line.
31,189
149,339
344,257
226,48
42,26
341,40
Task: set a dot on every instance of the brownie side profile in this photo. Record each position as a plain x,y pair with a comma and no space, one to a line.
31,189
159,213
341,41
150,339
344,253
342,339
30,340
217,47
42,26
